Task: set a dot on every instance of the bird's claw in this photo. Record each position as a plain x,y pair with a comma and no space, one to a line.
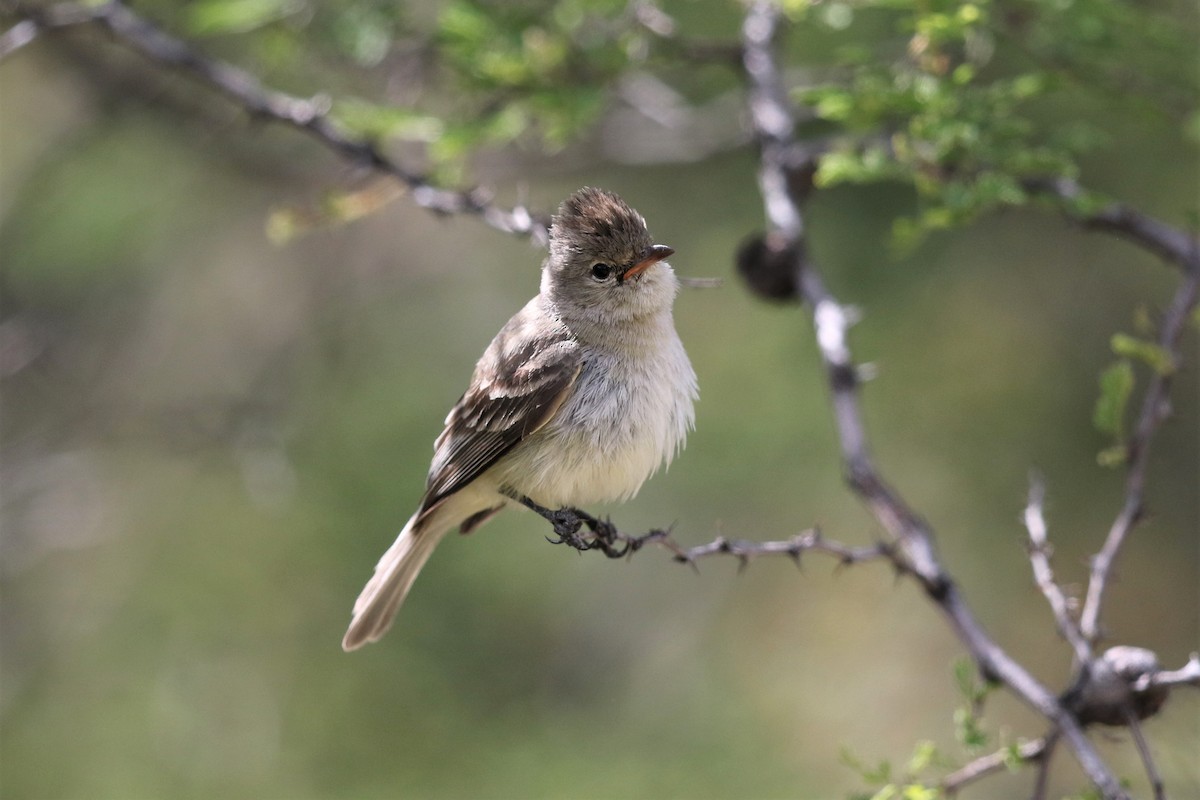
602,534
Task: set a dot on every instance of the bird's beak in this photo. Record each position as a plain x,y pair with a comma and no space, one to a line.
654,254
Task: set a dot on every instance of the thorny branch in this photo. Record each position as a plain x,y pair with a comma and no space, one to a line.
309,115
784,177
773,122
602,535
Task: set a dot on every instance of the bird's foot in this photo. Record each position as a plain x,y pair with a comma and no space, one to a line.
568,522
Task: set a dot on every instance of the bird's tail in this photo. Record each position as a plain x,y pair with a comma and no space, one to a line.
380,599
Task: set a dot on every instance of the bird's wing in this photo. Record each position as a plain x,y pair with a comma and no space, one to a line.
523,378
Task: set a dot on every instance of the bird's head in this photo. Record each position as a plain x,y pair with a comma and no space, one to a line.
603,263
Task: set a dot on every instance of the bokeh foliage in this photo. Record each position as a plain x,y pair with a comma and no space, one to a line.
208,439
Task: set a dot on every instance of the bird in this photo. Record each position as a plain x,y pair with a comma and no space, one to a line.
582,396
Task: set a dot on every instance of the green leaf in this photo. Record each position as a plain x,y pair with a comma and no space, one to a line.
379,122
866,166
1087,203
997,188
880,774
363,33
213,17
283,225
970,732
1116,384
832,104
923,755
463,23
1149,353
1012,757
796,9
1113,457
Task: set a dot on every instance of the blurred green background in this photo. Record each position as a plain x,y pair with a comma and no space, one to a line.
209,439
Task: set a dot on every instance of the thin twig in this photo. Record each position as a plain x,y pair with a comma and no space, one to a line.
1041,781
774,124
1143,747
1039,557
18,36
811,540
991,763
1187,675
1154,235
309,115
64,15
603,536
1156,407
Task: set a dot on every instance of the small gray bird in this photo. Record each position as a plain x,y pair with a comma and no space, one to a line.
578,399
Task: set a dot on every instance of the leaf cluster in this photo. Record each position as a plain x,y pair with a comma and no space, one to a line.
965,101
985,97
456,78
1117,383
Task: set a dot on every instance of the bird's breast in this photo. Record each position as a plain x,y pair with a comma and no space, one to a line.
628,413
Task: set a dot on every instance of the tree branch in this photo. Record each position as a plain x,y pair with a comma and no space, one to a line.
28,29
18,36
1035,750
603,536
1187,675
1143,748
1042,781
309,115
1120,220
1039,557
774,124
1156,407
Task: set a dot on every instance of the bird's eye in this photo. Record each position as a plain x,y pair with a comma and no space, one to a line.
601,271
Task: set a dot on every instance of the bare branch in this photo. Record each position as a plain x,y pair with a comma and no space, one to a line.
309,115
811,540
1143,747
1042,781
1039,557
1035,750
18,36
774,125
1120,220
1156,407
603,536
65,15
1187,675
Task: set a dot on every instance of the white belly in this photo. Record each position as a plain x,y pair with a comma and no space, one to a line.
626,416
